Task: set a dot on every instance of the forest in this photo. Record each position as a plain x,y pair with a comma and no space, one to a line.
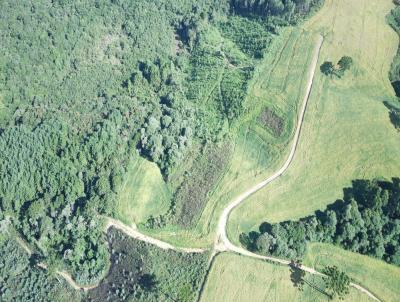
86,84
366,221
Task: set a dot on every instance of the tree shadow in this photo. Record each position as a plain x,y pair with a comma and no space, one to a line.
297,276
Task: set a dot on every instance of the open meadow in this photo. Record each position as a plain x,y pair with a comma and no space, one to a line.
347,133
241,279
381,278
143,192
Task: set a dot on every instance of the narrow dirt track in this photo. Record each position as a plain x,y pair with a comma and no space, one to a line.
221,231
222,242
131,232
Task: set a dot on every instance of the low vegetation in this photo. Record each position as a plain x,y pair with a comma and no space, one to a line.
271,121
142,272
21,281
365,221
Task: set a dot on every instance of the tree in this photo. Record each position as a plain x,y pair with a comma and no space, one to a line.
327,68
336,282
266,243
345,63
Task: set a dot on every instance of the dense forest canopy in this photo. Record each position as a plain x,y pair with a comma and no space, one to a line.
366,221
86,84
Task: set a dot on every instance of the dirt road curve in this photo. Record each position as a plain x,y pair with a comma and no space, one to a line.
222,242
139,236
221,231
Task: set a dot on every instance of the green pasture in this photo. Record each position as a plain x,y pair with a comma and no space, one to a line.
379,277
238,278
347,132
143,192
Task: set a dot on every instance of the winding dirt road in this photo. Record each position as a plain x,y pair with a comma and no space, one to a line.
222,242
221,231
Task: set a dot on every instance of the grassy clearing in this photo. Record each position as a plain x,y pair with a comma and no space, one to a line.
347,132
379,277
143,193
237,278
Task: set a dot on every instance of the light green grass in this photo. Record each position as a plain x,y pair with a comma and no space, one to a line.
380,278
143,193
237,278
347,133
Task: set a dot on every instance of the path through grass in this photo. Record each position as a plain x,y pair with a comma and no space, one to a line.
238,278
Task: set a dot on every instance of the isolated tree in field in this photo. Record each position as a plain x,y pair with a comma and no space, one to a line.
345,63
327,68
337,283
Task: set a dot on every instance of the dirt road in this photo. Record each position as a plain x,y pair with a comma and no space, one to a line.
222,242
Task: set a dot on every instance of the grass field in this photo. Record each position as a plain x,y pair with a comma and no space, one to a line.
380,278
237,278
347,133
143,193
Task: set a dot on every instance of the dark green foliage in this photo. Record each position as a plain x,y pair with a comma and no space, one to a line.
297,275
366,221
327,68
62,182
337,283
345,63
252,36
142,272
288,10
20,281
395,117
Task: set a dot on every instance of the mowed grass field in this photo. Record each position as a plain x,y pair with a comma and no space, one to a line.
143,193
242,279
380,278
347,132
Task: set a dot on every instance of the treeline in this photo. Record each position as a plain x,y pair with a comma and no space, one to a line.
288,10
366,221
